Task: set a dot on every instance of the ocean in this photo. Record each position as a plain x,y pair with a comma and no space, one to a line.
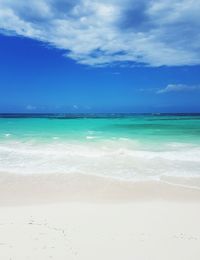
123,146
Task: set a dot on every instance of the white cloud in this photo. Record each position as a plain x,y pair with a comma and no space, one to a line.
30,107
101,32
178,88
75,107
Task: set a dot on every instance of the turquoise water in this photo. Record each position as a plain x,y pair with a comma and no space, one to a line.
143,128
125,147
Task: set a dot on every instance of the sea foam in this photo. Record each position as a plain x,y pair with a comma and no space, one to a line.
124,159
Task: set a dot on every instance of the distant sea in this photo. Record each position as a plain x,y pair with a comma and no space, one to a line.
125,146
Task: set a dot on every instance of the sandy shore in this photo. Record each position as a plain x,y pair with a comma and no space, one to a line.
54,217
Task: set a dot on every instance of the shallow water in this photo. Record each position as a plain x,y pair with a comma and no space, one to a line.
139,147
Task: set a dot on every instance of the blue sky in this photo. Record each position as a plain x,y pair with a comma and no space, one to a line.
99,56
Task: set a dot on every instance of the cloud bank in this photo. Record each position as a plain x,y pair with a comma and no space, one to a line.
102,32
178,88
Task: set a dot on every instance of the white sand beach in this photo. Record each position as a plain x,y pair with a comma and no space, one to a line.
99,130
57,217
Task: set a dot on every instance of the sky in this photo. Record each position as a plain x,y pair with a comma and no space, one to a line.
83,56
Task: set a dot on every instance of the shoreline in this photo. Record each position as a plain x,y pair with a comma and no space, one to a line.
22,189
80,217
